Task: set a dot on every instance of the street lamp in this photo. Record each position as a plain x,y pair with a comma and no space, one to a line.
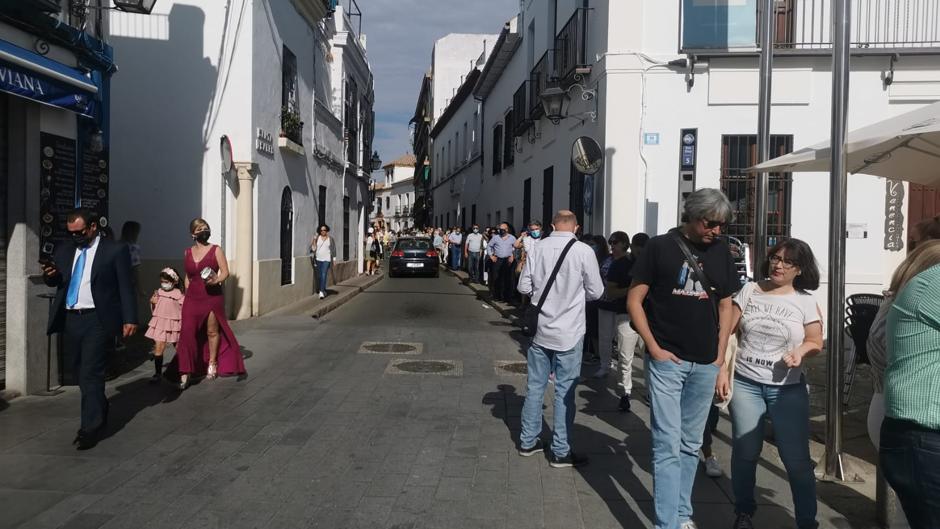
554,97
143,7
376,161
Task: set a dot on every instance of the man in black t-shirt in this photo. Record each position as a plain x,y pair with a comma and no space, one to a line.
679,322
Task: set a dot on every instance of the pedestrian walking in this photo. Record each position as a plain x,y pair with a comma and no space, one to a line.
677,309
166,315
501,256
323,249
90,313
613,320
778,324
371,252
910,433
473,251
455,249
438,243
562,273
207,345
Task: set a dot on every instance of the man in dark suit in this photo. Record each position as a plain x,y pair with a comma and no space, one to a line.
94,302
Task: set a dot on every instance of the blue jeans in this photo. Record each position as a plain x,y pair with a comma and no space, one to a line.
680,395
473,266
910,460
455,256
322,268
567,367
788,408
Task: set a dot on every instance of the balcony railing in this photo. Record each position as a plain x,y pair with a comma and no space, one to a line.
542,74
520,110
804,26
571,46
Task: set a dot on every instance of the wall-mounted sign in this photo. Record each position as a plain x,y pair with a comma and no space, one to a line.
856,230
56,189
650,138
94,183
264,142
894,216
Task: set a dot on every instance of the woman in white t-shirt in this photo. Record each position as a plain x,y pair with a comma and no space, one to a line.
323,249
778,324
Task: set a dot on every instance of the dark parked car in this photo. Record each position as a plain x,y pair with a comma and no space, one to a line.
413,255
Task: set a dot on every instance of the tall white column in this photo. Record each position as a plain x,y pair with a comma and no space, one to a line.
244,237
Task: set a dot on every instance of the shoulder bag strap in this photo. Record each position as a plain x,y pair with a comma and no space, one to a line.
703,279
551,278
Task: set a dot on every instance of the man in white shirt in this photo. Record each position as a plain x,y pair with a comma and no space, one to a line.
473,251
94,302
559,337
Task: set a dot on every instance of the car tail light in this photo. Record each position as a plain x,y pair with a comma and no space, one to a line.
431,253
398,253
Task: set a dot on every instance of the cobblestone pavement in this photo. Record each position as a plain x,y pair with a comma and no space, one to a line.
324,433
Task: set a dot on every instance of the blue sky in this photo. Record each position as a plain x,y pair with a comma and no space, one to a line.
401,34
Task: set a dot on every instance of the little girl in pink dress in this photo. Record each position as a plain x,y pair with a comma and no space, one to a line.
166,304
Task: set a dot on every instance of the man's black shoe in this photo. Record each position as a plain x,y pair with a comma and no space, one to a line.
624,405
535,449
85,441
570,460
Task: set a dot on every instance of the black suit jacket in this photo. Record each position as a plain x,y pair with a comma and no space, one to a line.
112,285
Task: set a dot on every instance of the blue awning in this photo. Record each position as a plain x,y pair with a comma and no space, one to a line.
43,80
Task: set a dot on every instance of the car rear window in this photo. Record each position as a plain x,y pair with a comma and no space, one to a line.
414,244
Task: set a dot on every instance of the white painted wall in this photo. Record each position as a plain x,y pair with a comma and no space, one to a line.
452,58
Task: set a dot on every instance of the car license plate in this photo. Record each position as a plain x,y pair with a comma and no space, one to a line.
415,265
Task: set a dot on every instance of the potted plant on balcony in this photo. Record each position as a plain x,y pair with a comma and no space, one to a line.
291,125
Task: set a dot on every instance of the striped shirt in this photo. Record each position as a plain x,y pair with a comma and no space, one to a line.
912,376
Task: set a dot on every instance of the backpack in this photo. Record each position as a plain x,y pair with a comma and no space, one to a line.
376,247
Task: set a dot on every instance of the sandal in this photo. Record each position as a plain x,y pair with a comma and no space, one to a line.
213,372
184,381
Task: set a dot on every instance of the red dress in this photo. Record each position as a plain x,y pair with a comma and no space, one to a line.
192,351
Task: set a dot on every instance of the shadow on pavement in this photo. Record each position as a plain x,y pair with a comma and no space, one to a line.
134,397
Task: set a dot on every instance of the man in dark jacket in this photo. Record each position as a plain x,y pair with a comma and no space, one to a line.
94,302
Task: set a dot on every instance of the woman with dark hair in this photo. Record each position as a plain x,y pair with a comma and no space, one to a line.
778,324
323,250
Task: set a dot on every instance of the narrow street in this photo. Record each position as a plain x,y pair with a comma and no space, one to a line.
323,434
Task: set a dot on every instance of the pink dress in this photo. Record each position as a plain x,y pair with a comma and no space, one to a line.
192,351
167,313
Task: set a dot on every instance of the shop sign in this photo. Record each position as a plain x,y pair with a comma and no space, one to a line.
56,189
894,215
25,83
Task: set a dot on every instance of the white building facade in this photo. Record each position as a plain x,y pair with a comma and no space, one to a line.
667,129
286,87
395,196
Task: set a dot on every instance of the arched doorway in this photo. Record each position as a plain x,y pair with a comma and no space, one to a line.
287,237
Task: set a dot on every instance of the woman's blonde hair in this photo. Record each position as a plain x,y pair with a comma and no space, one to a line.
196,224
926,255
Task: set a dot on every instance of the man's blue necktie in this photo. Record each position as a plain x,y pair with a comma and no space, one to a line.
75,284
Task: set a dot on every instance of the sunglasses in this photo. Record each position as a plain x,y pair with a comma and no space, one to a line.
712,224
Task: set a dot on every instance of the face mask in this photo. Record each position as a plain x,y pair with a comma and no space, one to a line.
166,286
80,239
476,230
502,231
203,236
535,234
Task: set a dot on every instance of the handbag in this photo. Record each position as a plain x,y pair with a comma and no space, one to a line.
732,351
530,318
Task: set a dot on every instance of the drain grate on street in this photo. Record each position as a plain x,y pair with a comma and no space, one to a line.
391,348
447,368
510,368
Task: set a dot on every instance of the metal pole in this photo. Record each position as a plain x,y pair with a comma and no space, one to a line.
841,12
763,130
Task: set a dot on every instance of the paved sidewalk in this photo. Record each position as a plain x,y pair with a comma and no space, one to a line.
323,433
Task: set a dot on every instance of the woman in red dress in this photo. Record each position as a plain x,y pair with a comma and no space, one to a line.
207,344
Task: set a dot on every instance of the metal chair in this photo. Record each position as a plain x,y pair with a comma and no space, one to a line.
860,311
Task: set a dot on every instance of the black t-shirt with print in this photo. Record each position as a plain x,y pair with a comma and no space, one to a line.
619,273
677,307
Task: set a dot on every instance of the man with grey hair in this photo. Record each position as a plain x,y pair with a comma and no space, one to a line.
560,275
684,319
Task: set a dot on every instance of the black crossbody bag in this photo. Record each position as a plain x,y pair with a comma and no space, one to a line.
703,279
530,318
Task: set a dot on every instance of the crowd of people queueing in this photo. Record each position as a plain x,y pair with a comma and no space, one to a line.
714,341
